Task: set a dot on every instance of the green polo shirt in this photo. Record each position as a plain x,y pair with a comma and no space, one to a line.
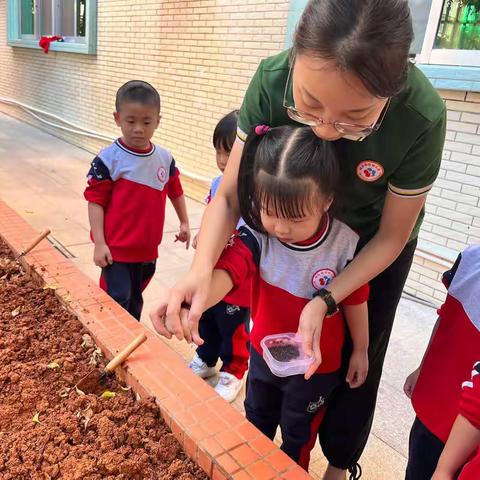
403,156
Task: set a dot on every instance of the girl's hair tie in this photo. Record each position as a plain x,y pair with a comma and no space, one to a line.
261,129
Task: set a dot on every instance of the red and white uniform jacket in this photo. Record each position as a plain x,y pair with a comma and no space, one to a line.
285,277
470,409
454,348
132,186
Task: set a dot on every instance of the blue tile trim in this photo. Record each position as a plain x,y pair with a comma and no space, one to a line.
450,77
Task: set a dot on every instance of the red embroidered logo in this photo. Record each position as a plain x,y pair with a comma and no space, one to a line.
369,171
322,278
162,174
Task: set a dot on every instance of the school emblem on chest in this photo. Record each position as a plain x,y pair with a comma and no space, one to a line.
321,278
314,406
369,171
162,174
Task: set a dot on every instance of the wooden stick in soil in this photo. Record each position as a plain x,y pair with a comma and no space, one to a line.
34,243
96,377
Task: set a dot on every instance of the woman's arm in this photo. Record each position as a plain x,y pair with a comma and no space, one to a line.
220,285
398,219
221,215
218,224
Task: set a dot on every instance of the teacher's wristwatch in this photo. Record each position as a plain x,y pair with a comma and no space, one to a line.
326,296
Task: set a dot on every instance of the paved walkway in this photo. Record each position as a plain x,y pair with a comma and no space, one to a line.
43,178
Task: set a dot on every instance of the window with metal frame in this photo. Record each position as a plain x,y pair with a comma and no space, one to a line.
452,36
73,20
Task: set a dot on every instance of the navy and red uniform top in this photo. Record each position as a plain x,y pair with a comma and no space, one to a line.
454,348
132,186
285,277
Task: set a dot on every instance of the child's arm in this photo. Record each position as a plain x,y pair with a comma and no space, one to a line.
98,194
101,254
180,207
464,438
357,321
411,380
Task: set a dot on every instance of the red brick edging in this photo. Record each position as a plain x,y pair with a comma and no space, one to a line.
212,432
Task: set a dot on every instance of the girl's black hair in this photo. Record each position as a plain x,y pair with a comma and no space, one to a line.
225,132
285,171
370,38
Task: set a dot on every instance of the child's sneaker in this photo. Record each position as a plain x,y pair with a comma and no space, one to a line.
200,368
228,386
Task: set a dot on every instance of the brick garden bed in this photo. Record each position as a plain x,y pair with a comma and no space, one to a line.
50,430
212,433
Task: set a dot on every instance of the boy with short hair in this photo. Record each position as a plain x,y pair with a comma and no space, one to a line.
128,184
435,387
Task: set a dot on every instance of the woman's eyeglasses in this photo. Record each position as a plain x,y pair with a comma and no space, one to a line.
350,131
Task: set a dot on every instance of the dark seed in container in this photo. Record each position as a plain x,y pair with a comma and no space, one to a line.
285,352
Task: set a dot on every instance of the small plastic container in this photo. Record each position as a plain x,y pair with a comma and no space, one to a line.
284,354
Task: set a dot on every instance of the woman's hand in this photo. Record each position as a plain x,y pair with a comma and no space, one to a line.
410,383
357,368
310,329
167,317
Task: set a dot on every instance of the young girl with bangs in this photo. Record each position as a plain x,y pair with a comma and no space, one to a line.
292,247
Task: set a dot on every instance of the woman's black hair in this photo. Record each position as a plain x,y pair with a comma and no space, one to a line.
285,171
370,38
225,132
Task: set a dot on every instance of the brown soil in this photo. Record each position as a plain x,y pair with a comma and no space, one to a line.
285,352
122,439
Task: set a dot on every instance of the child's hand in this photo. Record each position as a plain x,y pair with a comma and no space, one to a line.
310,328
410,383
184,234
357,368
195,241
101,255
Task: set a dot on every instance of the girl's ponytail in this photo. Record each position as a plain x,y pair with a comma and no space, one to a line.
246,176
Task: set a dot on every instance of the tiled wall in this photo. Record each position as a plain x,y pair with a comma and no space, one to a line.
452,221
200,54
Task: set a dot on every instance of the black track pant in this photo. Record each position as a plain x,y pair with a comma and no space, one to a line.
344,432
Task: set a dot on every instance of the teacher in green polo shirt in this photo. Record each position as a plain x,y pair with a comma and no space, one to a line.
347,76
